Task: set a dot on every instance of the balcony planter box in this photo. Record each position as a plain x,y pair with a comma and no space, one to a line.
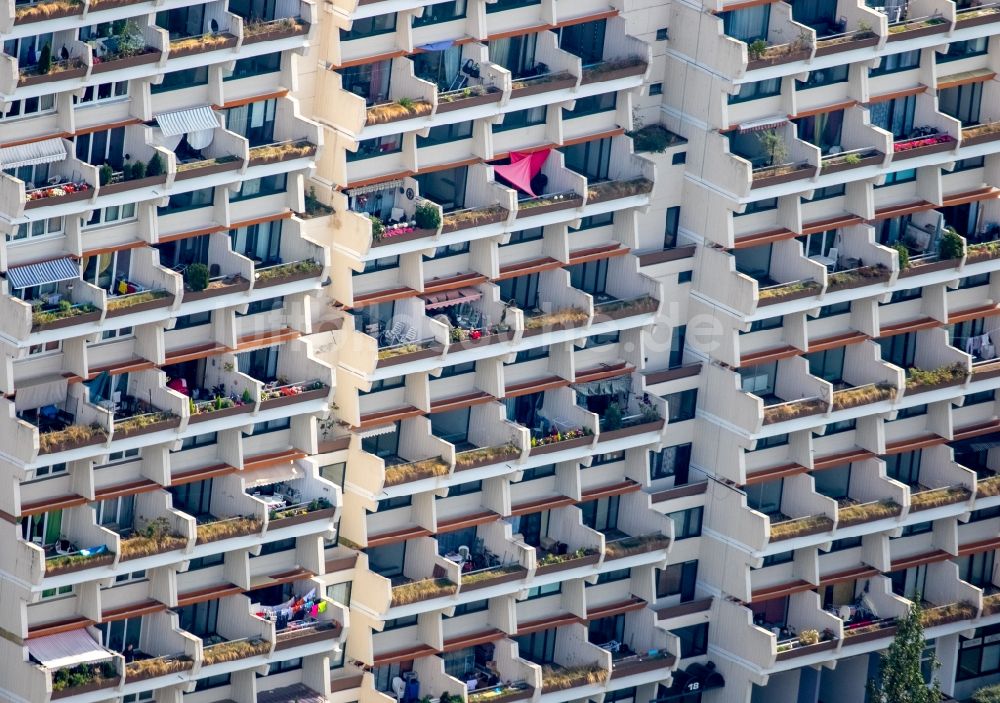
290,278
665,255
849,45
279,30
869,278
486,461
209,168
797,55
636,665
554,328
559,446
321,514
936,148
915,269
946,496
166,667
508,696
167,424
224,412
616,190
974,135
483,341
564,204
935,386
797,173
164,302
987,18
869,636
536,87
568,564
920,31
148,57
608,435
68,445
297,638
239,284
810,526
26,17
796,409
297,151
612,74
806,292
986,370
284,400
52,76
59,199
122,186
488,216
228,41
96,685
508,577
959,611
885,511
492,96
872,160
808,649
431,351
96,5
86,317
98,560
406,237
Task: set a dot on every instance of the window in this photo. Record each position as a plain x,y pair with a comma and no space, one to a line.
615,575
335,473
451,250
656,89
779,558
193,320
681,406
38,228
206,562
442,134
476,606
399,623
694,640
393,503
979,655
370,27
176,80
383,263
602,459
964,49
590,159
827,192
525,235
962,102
103,147
276,546
671,227
827,76
340,592
687,523
29,107
777,440
523,291
501,5
107,91
969,164
768,323
113,214
592,221
828,364
538,472
677,580
457,370
982,279
835,309
255,66
255,121
590,277
520,119
542,591
765,497
601,514
442,12
747,24
259,187
199,440
191,200
662,34
897,62
591,105
684,277
679,158
272,426
894,115
671,461
904,467
539,647
839,545
756,91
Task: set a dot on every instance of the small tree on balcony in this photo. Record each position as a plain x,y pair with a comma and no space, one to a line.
900,678
775,147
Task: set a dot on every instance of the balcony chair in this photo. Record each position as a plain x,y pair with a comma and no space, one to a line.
392,335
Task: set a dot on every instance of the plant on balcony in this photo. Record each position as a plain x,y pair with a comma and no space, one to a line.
488,454
282,151
257,27
84,674
66,562
285,389
787,289
901,677
310,507
45,10
918,379
904,255
567,317
844,279
756,49
139,422
401,109
45,59
158,666
127,40
557,437
545,200
937,497
798,527
73,435
490,574
987,694
474,216
64,311
496,694
808,637
654,138
951,612
202,42
951,245
557,678
156,537
613,190
226,529
628,546
310,266
540,80
129,301
978,130
867,512
427,216
57,191
155,166
612,419
415,471
910,25
920,142
314,208
196,277
550,558
462,94
984,250
989,486
235,650
614,65
972,13
777,152
401,349
863,395
424,589
792,410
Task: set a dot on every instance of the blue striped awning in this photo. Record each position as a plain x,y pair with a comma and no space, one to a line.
52,271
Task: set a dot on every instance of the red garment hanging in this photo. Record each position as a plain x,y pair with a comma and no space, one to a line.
522,168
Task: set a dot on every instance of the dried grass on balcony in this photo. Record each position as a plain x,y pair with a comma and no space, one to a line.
128,301
938,497
415,470
253,28
538,80
402,349
401,109
560,318
226,529
44,10
74,434
160,666
425,589
991,604
62,562
614,65
143,546
842,279
800,526
979,130
791,411
929,617
286,150
919,378
777,292
909,26
988,487
863,395
867,512
232,651
635,545
474,216
490,574
290,269
492,454
204,42
138,422
612,190
204,163
560,678
986,250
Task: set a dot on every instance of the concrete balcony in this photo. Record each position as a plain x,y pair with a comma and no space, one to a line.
577,668
73,183
937,366
942,483
238,635
50,681
158,528
164,651
221,31
292,18
942,133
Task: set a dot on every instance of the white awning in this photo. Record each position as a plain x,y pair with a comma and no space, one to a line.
44,152
51,271
763,123
273,474
376,431
39,392
184,121
67,649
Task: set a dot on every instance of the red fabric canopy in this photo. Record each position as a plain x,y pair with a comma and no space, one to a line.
522,168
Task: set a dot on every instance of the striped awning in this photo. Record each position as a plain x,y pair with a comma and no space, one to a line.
44,152
762,124
53,271
196,119
376,431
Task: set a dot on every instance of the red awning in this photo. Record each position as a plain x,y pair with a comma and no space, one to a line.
448,298
522,168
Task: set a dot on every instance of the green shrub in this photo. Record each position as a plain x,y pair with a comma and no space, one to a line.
987,694
756,49
950,246
196,277
378,228
155,166
852,159
427,216
613,417
904,255
247,396
105,174
45,60
138,170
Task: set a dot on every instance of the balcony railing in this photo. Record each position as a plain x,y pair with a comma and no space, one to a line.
783,292
58,70
201,43
935,615
84,677
300,512
472,217
70,191
277,274
554,561
70,437
502,693
800,527
402,109
144,423
617,309
845,41
781,173
62,315
918,146
613,69
483,456
857,277
981,14
917,27
532,85
806,642
920,380
566,318
549,202
938,497
492,575
138,302
761,54
156,538
395,353
855,158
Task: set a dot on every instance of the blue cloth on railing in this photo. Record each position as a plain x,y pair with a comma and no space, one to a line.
94,551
